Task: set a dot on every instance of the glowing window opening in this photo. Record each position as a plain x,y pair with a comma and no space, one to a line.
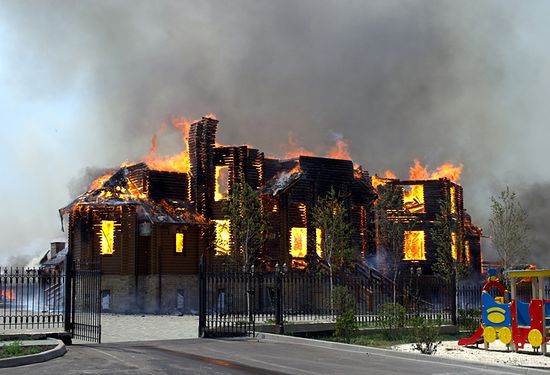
454,252
180,238
298,242
467,250
453,199
223,237
107,237
414,245
222,187
413,198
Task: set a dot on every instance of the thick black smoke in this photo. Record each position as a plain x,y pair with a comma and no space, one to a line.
535,199
462,81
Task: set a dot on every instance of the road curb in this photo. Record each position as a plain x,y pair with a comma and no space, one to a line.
58,351
394,353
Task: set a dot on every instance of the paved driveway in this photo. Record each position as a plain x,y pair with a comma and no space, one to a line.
270,356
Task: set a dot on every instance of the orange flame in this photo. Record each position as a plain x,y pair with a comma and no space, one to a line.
388,175
295,150
98,182
414,246
7,295
340,150
446,170
413,199
173,163
419,172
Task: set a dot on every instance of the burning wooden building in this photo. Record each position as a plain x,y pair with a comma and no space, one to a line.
422,203
142,229
148,226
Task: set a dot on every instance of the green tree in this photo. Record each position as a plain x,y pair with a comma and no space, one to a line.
247,224
508,223
446,223
330,216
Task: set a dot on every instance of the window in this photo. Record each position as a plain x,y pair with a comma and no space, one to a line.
105,300
453,199
180,240
180,300
107,237
454,253
222,188
298,242
223,237
414,245
413,198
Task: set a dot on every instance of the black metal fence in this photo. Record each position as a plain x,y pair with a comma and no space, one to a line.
31,299
233,302
86,301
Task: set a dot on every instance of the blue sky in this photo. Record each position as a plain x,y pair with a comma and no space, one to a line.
86,84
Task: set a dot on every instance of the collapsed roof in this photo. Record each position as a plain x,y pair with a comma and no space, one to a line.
138,185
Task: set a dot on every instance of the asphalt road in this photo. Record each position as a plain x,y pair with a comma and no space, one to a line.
267,356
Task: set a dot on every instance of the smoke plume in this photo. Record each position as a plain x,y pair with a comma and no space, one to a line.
461,81
535,199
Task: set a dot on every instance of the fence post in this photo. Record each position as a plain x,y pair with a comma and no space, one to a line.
68,300
279,301
202,297
453,294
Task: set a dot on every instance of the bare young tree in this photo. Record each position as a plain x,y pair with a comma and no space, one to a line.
329,215
392,221
508,223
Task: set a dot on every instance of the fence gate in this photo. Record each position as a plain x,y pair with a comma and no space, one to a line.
226,302
85,301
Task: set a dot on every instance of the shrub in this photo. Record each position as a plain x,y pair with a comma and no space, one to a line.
426,334
391,318
346,326
344,307
342,300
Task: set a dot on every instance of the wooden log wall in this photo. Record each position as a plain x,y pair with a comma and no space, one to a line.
163,256
167,185
436,191
243,164
320,175
137,174
86,241
202,137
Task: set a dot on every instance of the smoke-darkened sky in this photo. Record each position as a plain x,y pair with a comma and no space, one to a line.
84,85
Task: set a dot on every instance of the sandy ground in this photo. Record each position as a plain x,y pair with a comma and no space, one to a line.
497,354
120,328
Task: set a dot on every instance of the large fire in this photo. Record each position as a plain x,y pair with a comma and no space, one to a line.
171,163
413,196
445,170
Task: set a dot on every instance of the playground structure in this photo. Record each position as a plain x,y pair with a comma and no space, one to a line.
511,320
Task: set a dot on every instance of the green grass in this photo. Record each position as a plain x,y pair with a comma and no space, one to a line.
15,349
